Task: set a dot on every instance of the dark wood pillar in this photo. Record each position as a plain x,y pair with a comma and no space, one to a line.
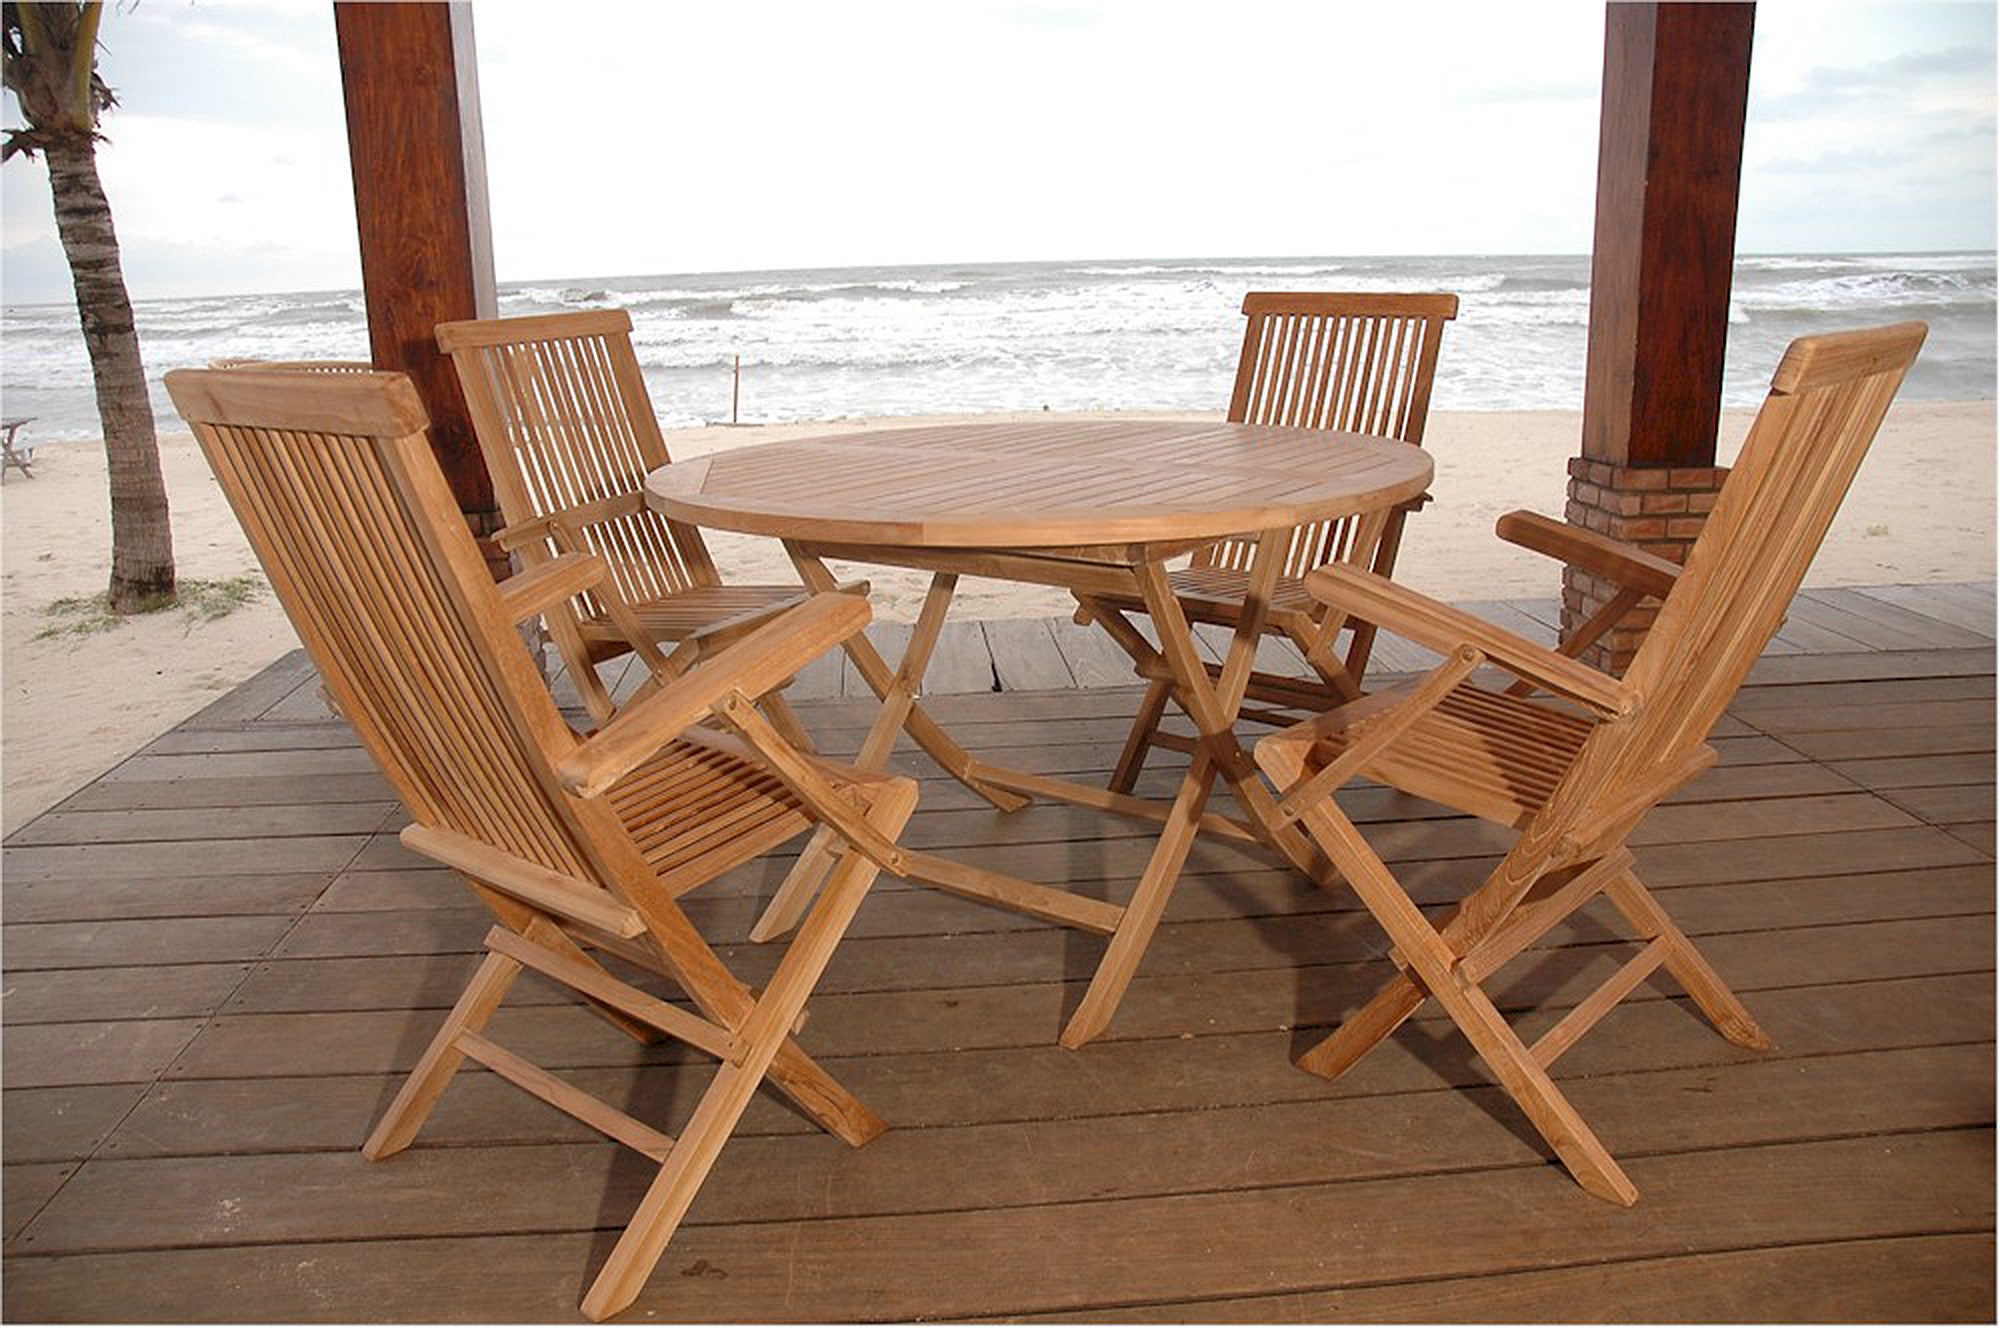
1670,156
411,83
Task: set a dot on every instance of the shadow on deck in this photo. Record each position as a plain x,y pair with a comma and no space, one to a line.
218,957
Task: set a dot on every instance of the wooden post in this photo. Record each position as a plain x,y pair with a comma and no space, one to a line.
1670,155
411,84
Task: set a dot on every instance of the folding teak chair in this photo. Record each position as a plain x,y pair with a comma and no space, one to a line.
577,845
560,407
1576,780
1358,362
13,455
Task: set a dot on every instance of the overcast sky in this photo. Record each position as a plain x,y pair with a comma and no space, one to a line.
655,138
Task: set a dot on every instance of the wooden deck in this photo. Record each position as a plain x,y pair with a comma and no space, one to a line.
218,957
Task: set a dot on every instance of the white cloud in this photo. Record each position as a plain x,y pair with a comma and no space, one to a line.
660,138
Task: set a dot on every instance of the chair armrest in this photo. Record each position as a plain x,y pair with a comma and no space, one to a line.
1394,608
1609,558
550,583
559,526
522,534
751,665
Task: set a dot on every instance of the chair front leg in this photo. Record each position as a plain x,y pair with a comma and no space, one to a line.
440,1061
1689,968
760,1043
1383,563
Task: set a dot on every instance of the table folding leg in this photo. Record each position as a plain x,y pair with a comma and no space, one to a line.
1212,703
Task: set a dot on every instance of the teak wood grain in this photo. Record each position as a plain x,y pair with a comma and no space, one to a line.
1035,485
580,847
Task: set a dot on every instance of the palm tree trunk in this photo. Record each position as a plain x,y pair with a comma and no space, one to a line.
142,542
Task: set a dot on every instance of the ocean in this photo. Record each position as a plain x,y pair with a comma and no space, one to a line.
839,342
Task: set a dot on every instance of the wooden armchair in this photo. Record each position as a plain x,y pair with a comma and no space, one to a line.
1359,363
1576,779
568,432
580,846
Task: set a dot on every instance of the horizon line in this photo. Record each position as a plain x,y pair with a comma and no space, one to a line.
515,282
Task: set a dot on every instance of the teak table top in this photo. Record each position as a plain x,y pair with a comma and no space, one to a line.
1040,484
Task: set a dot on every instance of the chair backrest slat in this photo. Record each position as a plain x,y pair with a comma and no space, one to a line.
334,482
1356,362
295,366
560,408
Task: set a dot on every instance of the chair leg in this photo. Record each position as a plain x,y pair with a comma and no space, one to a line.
1341,678
794,893
434,1069
760,1038
1140,740
1366,1028
645,1238
1701,982
692,963
1537,1095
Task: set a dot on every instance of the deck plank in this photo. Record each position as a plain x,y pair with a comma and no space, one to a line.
1886,1280
1962,605
1026,657
1879,624
297,1197
1092,658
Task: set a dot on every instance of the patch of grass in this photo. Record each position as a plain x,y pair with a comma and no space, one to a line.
78,615
206,601
199,602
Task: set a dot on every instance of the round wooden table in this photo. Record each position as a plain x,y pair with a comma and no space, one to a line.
1041,484
1094,506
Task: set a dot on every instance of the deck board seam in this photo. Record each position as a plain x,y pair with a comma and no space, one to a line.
695,1220
1528,1269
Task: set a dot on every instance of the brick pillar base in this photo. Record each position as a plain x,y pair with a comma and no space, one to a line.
1658,508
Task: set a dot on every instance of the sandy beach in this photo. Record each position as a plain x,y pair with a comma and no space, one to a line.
1922,510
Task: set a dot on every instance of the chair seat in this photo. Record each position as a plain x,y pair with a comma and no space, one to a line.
696,810
705,610
704,805
1495,756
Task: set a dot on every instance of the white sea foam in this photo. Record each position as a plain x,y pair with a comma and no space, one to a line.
830,343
